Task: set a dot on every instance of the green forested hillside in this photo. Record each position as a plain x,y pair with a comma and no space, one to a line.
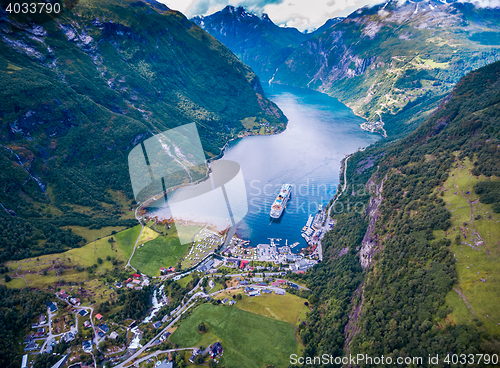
414,287
18,308
78,93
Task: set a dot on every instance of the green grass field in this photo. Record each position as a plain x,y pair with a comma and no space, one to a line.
15,283
475,261
185,280
248,340
155,251
32,268
91,235
187,232
288,308
84,256
126,240
164,251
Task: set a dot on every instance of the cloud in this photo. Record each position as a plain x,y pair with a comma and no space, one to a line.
301,14
206,7
310,14
485,3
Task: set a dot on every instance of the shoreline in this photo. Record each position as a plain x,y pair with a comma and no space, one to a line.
223,149
341,185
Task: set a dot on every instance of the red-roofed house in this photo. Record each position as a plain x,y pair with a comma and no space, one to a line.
280,281
137,276
98,316
243,264
128,280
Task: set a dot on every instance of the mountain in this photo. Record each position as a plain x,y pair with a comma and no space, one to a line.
77,93
410,268
256,41
328,24
392,63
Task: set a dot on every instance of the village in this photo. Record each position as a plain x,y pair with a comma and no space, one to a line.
68,320
259,271
81,328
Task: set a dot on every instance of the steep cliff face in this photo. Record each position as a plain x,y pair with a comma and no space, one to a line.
421,264
369,243
79,92
393,62
256,41
425,253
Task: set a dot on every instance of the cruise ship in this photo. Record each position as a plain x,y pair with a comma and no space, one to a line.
280,202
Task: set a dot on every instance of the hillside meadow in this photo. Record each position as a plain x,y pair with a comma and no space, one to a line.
249,340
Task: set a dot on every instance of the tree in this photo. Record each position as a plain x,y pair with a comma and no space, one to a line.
313,299
7,278
199,359
99,260
202,328
179,361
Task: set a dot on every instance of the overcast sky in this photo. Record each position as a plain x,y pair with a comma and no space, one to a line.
301,14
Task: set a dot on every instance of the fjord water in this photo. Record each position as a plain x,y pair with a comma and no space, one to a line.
320,132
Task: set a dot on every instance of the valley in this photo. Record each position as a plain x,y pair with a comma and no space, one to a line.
391,63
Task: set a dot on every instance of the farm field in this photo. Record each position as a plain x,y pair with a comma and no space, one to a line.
187,231
126,240
287,308
160,247
163,251
94,234
248,340
66,264
72,266
477,251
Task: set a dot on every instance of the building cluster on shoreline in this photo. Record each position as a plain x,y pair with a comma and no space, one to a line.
236,257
